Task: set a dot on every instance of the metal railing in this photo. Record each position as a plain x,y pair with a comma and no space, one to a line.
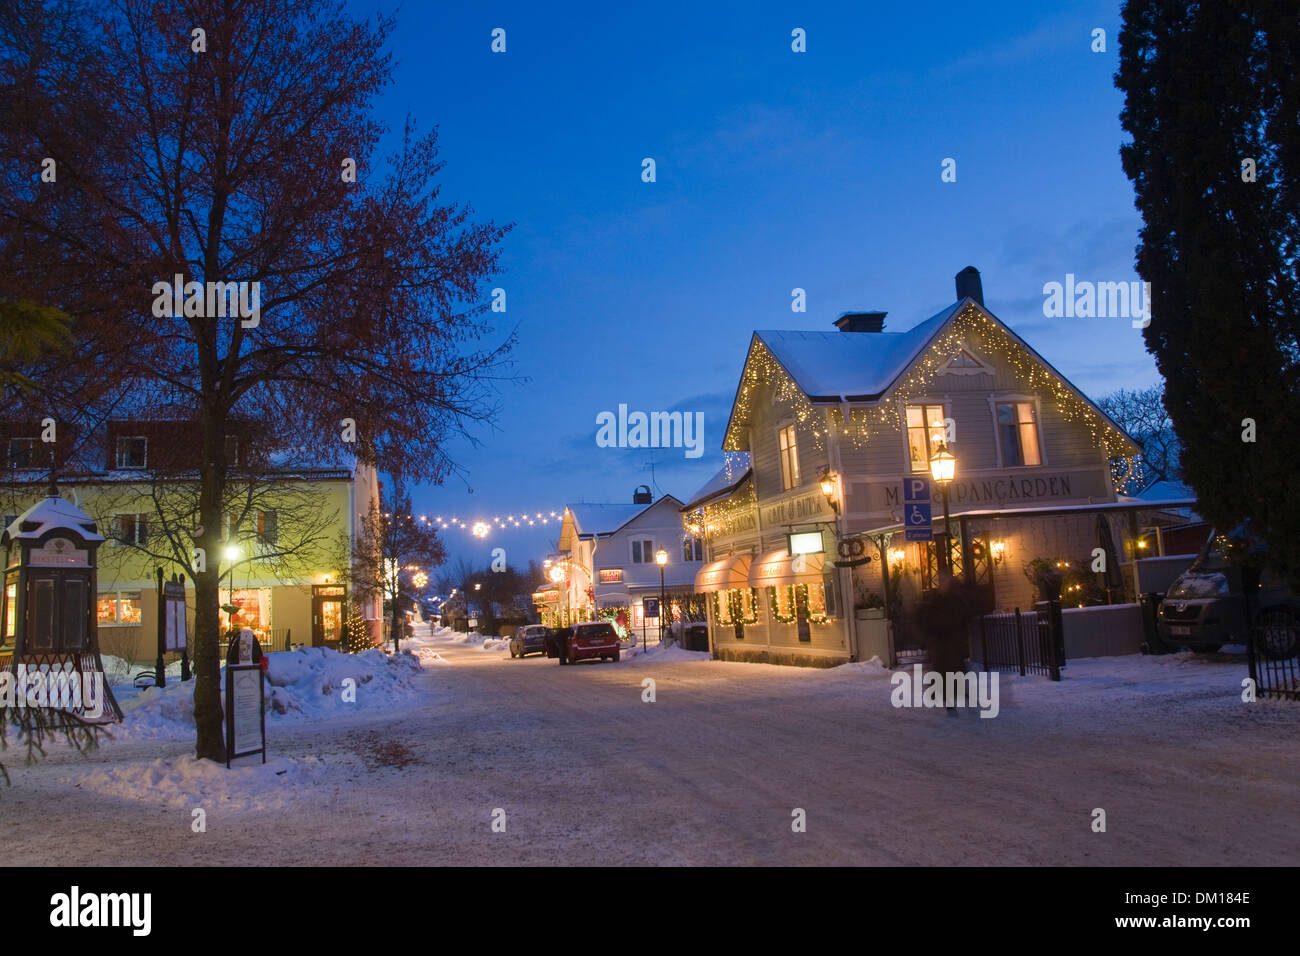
1016,641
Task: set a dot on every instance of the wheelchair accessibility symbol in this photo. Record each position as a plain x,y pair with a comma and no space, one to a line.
919,515
918,521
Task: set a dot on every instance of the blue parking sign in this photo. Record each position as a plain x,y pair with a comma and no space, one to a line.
650,607
917,521
916,488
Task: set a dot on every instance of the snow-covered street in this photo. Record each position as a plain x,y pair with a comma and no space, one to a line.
711,772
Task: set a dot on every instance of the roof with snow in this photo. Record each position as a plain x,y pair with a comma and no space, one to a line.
842,366
863,366
728,478
607,519
52,514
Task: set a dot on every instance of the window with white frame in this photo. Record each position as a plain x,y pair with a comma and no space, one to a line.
132,451
118,608
643,551
131,529
692,548
1018,434
925,433
789,447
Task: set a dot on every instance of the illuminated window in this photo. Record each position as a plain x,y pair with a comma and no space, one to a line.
118,608
925,433
692,548
1018,433
789,457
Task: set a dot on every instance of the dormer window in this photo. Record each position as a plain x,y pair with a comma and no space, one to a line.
23,453
132,451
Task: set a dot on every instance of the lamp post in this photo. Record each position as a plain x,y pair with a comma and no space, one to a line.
942,468
232,556
557,575
661,559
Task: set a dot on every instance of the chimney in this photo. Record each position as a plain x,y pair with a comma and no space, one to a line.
969,286
641,495
861,322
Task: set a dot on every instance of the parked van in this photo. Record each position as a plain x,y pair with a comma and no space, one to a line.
1206,608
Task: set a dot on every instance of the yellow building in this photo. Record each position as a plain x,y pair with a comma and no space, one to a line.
287,546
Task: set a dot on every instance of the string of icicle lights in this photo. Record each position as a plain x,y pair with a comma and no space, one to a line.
765,379
482,527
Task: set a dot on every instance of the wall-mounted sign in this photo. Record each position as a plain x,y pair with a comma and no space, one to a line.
58,553
805,542
611,575
810,507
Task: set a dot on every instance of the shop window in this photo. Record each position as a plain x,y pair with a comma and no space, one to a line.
736,603
925,433
254,610
118,608
11,611
132,451
1018,434
818,598
789,447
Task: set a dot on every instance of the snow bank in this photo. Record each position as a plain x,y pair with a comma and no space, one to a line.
659,654
310,682
496,644
306,684
188,783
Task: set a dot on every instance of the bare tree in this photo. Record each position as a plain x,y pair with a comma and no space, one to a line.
1142,413
233,145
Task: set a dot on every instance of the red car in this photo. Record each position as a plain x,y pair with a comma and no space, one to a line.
595,640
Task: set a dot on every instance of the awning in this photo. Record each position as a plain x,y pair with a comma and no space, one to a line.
731,572
777,568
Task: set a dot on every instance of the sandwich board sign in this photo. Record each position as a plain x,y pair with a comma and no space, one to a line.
245,700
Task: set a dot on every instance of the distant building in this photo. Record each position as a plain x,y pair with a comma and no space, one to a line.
607,562
131,479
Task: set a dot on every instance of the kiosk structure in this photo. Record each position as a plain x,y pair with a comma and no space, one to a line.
47,608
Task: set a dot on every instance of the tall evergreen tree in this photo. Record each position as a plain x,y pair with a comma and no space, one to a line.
1212,102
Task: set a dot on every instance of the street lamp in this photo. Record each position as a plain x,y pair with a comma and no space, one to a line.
231,555
827,483
557,575
661,558
942,468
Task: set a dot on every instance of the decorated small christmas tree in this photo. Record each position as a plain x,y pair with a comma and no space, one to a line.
356,633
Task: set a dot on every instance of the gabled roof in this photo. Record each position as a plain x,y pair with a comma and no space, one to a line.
722,484
861,367
603,520
851,366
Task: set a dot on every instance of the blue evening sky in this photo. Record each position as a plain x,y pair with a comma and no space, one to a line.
775,170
